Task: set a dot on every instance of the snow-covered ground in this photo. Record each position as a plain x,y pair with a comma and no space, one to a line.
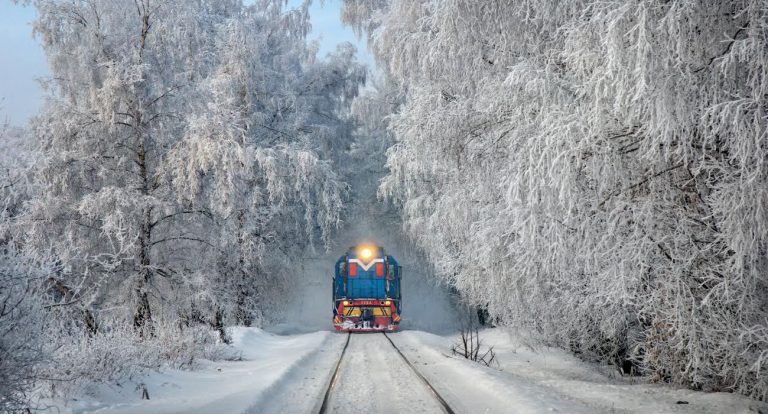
544,380
374,378
289,374
216,387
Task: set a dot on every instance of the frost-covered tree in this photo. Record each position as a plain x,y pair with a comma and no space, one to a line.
373,137
187,148
592,170
121,73
22,277
186,153
260,153
23,347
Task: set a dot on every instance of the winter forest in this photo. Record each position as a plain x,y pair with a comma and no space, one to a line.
591,172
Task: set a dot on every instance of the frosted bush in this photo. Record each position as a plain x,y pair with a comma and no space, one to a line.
120,355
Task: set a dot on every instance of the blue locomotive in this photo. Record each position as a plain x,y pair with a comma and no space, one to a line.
366,290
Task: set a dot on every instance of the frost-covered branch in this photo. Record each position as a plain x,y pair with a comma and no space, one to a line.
594,172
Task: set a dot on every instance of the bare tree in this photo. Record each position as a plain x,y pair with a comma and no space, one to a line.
470,345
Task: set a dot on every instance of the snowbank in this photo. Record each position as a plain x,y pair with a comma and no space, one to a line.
532,379
217,387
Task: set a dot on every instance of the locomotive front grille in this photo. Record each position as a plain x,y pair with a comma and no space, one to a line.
357,311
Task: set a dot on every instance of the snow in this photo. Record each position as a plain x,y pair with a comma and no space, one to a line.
225,387
289,374
302,387
470,387
374,378
533,379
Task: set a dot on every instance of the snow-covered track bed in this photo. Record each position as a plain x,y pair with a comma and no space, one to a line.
441,400
373,375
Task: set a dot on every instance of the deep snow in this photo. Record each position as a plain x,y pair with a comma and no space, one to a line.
217,387
535,379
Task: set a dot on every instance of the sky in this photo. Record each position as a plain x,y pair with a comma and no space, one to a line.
22,61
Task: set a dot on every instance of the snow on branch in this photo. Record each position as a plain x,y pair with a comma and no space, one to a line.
591,171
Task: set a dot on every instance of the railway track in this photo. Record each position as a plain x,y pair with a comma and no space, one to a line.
334,379
446,408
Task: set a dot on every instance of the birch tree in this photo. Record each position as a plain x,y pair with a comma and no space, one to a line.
260,152
188,152
120,75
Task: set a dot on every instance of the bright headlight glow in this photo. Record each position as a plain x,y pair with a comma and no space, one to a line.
366,253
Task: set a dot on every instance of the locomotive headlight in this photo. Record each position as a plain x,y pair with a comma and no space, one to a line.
387,302
366,253
346,303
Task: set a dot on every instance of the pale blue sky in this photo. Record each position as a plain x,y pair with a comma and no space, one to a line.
22,61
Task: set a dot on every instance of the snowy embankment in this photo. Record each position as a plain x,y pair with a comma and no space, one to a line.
215,387
543,380
289,373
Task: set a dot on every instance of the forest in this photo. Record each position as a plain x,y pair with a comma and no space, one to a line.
594,171
591,172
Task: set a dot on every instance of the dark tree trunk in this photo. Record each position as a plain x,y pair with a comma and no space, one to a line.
482,315
143,316
218,325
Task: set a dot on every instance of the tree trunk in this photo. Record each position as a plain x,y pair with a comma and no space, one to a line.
243,314
65,294
142,319
218,325
143,316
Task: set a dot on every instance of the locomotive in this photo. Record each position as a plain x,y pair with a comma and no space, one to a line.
366,290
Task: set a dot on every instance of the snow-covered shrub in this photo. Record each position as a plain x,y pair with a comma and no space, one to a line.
594,171
23,349
119,354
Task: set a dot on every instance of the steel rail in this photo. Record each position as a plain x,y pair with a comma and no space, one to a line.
447,408
334,378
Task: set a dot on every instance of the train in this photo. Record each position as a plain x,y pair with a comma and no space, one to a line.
366,290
